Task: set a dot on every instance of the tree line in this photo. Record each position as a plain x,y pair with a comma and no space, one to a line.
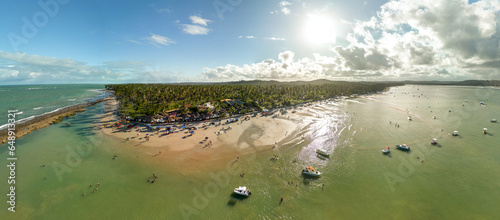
153,99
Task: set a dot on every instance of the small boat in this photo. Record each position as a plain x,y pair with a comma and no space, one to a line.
322,152
455,133
242,190
311,172
403,147
449,110
409,118
485,130
386,150
494,120
434,141
481,103
434,117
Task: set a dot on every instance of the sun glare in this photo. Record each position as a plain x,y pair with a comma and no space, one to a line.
319,30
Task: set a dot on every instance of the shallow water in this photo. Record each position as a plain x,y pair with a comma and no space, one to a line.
457,179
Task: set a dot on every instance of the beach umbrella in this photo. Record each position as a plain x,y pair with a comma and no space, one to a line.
175,125
149,125
147,134
387,147
158,126
191,132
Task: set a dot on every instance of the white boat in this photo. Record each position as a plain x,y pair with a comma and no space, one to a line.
386,150
494,120
485,130
481,103
322,152
242,190
434,117
311,172
449,110
409,118
455,133
434,141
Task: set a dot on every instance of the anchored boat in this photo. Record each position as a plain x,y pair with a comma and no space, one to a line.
242,190
434,141
403,147
322,152
311,172
386,150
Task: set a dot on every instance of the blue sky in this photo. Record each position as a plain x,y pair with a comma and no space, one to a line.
226,40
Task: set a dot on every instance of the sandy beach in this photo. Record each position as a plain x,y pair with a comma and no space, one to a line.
208,145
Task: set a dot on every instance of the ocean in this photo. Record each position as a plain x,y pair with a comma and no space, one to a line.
32,100
456,179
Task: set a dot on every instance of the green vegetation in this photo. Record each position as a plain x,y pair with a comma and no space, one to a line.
154,99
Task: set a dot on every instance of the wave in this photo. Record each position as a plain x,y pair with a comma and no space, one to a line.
18,121
71,100
37,108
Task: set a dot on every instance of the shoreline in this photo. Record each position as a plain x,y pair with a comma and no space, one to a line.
46,119
207,147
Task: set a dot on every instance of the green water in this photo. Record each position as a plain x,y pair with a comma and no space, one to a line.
458,178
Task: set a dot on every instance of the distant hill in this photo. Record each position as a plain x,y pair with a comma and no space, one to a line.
457,83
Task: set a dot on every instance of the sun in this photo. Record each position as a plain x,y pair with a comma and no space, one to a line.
319,29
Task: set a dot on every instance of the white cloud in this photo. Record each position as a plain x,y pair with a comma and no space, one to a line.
23,68
158,40
247,37
284,7
274,38
199,26
426,39
195,29
198,20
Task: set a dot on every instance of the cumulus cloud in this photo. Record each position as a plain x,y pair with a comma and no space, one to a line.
24,68
426,39
198,26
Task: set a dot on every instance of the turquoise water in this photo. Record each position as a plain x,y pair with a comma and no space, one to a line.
456,179
34,100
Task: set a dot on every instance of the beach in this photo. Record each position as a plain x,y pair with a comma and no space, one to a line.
208,146
453,179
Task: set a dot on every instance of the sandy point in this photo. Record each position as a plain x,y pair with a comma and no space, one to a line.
206,146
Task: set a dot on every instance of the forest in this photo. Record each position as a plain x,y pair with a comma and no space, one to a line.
159,99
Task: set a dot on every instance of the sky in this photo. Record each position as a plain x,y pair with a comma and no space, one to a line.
168,41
